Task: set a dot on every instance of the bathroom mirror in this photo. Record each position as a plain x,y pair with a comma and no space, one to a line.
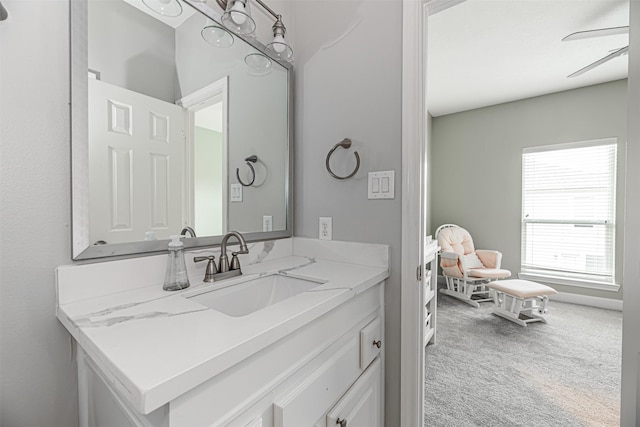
170,131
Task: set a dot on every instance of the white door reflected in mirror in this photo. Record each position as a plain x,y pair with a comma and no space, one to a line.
136,156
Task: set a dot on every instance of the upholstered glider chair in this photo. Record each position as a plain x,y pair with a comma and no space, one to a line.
467,271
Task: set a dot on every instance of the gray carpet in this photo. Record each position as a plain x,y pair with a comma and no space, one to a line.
487,371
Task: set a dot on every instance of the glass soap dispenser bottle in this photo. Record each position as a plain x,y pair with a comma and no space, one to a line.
176,277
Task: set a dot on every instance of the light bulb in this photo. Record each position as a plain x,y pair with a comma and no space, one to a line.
237,13
279,44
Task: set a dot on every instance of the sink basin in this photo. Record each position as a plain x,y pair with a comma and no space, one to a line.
253,295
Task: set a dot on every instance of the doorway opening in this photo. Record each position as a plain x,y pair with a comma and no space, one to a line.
487,141
206,194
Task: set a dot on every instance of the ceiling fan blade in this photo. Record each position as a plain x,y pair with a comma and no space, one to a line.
581,35
600,61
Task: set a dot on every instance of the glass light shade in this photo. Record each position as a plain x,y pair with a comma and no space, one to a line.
237,18
171,8
217,36
279,48
258,64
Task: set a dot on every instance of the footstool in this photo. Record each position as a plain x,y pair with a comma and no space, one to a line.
517,300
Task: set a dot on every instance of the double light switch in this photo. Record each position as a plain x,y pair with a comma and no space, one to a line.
381,185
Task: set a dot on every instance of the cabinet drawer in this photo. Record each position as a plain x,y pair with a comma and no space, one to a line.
370,342
361,406
309,400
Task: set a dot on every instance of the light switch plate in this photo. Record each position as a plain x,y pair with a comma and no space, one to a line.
381,185
267,223
324,229
236,192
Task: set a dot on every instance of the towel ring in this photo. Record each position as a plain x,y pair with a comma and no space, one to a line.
249,160
345,143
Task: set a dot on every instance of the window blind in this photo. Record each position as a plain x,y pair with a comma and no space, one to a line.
568,210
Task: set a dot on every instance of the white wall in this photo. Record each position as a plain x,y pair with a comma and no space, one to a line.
38,386
348,84
630,415
477,163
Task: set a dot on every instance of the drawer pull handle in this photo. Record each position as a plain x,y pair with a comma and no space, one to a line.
377,343
343,423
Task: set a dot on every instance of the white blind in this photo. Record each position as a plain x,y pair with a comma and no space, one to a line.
568,210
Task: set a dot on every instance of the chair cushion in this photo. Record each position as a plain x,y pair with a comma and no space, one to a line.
455,239
489,273
522,288
472,261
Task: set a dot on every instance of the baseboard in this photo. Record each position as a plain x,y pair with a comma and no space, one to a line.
608,303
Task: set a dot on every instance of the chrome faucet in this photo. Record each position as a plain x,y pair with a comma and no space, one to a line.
224,260
189,230
225,270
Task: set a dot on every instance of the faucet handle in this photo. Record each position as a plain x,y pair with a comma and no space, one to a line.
211,267
235,262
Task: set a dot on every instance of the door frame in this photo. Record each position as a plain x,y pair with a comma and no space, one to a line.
413,210
215,92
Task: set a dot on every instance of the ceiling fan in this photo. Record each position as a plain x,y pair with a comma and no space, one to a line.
581,35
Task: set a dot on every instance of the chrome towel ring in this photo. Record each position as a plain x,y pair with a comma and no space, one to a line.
345,143
249,160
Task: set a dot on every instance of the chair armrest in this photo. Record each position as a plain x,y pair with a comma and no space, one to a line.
449,255
490,259
449,261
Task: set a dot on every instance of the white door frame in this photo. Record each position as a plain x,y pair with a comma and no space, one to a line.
413,211
630,410
202,98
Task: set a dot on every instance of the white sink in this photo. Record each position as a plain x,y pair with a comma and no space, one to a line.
253,295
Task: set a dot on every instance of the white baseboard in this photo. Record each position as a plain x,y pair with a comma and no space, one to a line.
608,303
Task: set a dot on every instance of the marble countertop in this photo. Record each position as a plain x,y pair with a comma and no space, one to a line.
154,345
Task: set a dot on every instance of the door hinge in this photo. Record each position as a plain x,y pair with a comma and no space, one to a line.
419,273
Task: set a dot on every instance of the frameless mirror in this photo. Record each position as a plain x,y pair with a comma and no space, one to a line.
176,123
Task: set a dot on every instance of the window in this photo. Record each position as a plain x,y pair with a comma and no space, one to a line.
568,211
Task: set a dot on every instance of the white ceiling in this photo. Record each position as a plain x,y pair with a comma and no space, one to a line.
487,52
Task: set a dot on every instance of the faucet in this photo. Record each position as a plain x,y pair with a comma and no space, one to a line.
224,260
225,270
189,230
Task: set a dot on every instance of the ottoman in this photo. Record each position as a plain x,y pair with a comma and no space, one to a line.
521,301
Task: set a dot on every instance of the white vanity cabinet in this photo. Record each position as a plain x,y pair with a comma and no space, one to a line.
324,373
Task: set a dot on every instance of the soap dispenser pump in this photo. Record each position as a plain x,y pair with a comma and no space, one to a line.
176,277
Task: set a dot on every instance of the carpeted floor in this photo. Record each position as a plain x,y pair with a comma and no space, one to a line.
487,371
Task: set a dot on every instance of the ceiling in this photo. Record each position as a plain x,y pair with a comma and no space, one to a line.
487,52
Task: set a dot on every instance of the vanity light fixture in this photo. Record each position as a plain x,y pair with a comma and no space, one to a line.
3,12
237,19
216,35
279,46
170,8
259,64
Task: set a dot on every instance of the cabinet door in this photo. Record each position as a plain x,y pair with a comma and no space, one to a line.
361,406
307,401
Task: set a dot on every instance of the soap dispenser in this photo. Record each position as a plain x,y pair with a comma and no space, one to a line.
176,277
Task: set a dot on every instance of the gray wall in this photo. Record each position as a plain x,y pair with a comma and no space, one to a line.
477,163
131,49
348,84
38,386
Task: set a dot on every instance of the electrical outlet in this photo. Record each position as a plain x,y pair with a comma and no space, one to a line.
324,230
236,192
267,223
